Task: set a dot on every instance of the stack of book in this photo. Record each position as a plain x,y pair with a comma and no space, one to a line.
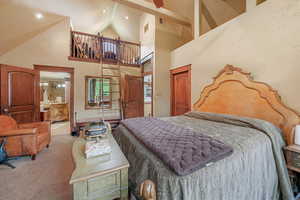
97,148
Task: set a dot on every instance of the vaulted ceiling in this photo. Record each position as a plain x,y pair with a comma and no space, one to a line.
18,24
90,16
86,15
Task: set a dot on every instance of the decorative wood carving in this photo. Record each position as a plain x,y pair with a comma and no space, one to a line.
234,92
147,190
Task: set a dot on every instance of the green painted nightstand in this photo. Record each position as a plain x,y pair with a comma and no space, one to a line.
292,155
102,177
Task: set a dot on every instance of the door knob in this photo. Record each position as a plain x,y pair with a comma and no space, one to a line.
5,110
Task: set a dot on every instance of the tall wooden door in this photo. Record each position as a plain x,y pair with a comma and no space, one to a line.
19,93
133,97
180,90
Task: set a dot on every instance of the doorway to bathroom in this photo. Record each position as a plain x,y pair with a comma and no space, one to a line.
56,93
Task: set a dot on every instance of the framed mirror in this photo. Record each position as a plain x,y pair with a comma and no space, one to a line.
97,92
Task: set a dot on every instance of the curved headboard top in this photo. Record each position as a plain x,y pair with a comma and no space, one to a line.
234,92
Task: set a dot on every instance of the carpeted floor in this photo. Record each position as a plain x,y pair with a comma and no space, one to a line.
60,128
46,178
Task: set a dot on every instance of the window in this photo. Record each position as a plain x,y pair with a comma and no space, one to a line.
148,88
98,92
146,28
259,1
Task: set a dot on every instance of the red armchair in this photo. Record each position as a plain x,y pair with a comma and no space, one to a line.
24,139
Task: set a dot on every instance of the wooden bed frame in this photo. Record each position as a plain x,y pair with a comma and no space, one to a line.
234,92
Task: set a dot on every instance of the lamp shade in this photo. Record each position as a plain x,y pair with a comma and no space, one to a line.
297,134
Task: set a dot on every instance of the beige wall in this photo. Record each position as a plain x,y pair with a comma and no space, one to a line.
147,38
52,48
147,109
264,41
109,32
167,38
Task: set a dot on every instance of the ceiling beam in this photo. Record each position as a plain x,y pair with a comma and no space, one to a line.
158,3
208,16
149,7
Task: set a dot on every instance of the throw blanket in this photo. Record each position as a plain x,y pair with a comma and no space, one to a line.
182,149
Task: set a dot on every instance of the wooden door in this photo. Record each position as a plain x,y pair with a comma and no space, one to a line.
133,97
180,90
19,93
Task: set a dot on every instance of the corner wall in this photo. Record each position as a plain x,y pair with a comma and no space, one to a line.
264,41
168,36
52,48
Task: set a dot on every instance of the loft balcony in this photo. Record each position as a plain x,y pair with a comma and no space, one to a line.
86,47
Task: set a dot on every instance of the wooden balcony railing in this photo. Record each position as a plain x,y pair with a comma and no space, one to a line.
93,48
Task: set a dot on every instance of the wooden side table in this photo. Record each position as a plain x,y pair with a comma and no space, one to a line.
292,155
103,177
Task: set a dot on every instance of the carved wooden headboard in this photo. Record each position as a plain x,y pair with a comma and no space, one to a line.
234,92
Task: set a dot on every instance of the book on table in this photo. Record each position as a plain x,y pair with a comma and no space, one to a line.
97,148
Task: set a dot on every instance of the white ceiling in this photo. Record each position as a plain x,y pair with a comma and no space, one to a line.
87,15
19,24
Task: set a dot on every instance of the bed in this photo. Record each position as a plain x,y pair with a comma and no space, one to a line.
247,115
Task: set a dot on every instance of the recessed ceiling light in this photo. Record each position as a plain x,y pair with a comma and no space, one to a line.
39,15
126,17
104,11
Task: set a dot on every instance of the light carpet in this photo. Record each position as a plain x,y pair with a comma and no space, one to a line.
60,128
46,178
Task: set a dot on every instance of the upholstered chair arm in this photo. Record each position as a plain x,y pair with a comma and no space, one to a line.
18,132
41,126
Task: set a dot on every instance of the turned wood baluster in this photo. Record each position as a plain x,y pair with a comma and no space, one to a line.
131,53
82,46
86,53
92,47
127,53
73,44
89,56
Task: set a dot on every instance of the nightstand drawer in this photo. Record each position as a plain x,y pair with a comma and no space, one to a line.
292,155
104,183
294,159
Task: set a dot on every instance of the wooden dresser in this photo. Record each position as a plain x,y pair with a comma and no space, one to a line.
102,177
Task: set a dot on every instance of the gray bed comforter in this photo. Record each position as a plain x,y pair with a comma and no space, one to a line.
256,170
